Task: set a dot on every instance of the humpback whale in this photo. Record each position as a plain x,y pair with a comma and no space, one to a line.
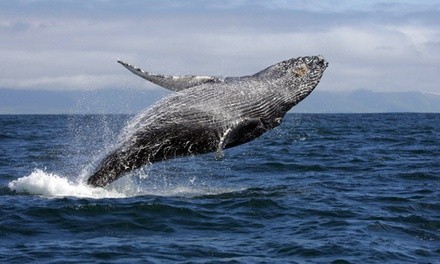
208,114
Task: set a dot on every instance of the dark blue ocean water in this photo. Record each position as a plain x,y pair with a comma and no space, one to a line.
341,188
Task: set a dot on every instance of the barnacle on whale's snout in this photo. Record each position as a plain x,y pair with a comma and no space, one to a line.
300,71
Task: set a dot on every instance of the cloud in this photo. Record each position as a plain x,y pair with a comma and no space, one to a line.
65,45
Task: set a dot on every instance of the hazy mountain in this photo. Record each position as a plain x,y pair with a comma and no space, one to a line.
364,101
74,102
132,101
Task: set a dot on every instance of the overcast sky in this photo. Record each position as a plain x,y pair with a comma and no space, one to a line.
73,44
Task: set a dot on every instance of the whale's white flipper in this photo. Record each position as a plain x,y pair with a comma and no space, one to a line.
173,83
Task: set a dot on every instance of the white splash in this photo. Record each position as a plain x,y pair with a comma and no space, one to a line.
52,185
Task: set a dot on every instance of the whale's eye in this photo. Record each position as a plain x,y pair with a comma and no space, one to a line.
300,71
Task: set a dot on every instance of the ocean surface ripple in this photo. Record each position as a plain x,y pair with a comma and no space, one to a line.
321,188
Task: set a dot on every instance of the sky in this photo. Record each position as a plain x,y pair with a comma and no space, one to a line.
376,45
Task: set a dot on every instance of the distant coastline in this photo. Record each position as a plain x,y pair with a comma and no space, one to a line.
120,101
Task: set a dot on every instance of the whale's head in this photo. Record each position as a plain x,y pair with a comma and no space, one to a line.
302,75
299,76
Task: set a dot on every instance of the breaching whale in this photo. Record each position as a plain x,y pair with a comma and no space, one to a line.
208,114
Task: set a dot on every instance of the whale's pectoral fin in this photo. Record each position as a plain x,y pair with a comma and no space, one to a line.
173,83
244,131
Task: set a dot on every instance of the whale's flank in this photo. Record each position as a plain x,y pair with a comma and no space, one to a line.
209,116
